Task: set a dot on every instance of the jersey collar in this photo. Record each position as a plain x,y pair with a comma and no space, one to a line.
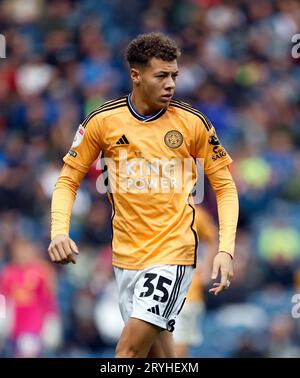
141,117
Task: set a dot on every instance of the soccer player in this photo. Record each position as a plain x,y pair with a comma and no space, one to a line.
150,144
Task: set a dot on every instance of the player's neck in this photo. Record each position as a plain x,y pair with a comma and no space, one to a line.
141,106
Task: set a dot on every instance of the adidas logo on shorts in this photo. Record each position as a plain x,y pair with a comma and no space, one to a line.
154,310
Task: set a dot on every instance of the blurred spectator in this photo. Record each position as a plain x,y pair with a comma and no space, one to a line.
284,343
248,347
28,284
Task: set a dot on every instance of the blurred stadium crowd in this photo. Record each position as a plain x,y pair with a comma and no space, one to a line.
64,58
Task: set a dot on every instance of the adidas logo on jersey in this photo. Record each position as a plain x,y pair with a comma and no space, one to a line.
123,140
154,310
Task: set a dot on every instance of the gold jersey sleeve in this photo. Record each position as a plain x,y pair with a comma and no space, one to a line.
86,146
63,199
228,208
207,147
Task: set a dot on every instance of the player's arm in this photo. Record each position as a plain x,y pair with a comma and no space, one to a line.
84,151
61,248
215,160
227,203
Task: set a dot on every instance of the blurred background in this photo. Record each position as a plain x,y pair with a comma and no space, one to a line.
64,58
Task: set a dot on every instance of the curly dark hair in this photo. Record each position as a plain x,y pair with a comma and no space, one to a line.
153,45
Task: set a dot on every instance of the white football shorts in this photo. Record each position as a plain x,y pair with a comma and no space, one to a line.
155,294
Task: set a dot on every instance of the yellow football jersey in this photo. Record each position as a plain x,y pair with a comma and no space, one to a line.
151,165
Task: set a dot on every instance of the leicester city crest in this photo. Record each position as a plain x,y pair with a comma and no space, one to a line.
173,139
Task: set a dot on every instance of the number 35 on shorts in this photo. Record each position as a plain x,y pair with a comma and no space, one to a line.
162,287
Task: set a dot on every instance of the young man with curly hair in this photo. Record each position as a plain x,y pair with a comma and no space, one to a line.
147,139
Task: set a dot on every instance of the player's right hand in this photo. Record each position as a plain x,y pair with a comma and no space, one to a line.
61,250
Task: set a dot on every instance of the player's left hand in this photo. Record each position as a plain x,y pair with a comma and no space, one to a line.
223,263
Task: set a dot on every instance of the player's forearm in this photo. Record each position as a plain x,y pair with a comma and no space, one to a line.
228,208
63,199
61,209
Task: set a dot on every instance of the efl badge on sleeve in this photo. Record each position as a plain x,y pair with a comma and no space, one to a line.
78,137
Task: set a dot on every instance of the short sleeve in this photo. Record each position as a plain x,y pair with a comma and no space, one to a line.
86,145
207,146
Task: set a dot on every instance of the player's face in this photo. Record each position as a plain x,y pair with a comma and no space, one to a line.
157,81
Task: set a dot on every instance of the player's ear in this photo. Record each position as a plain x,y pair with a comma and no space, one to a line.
135,75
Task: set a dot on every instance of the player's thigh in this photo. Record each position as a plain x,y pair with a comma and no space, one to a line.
136,339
